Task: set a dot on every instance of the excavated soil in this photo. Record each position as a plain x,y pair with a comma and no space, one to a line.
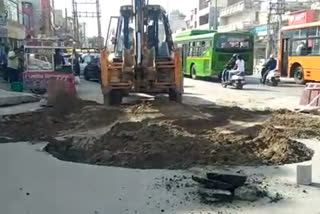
162,134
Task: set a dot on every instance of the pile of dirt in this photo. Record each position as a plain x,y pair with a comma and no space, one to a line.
164,134
162,145
296,125
67,114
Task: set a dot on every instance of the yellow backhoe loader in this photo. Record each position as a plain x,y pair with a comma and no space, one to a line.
141,57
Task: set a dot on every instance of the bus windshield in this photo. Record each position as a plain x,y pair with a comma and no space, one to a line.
234,42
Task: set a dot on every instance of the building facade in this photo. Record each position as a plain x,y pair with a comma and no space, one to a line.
177,21
268,30
32,16
11,23
59,20
205,15
192,19
83,35
209,10
239,15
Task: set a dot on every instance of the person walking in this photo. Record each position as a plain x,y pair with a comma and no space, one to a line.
76,63
3,59
13,65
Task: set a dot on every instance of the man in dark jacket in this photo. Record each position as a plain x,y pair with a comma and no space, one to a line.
269,66
230,65
58,58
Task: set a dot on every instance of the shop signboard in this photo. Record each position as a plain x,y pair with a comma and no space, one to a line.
301,17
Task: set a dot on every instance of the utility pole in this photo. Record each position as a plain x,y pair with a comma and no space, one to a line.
269,37
75,17
66,20
86,14
100,39
53,16
275,9
216,15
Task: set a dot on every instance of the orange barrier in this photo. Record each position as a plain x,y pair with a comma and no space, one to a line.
64,85
311,97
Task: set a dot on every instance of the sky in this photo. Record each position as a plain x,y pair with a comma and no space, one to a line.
111,8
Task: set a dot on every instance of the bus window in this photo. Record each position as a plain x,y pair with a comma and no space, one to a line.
315,47
226,41
300,48
296,34
304,33
192,49
312,32
205,46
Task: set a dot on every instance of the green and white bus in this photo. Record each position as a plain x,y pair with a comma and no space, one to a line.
205,53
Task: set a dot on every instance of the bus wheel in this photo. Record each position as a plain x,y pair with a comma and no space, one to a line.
194,72
299,75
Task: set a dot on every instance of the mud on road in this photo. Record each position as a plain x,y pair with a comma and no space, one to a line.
163,134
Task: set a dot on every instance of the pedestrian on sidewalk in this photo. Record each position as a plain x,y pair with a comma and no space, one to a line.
21,63
13,65
76,64
3,59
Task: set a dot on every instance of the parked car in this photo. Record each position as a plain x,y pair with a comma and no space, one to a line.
93,69
86,59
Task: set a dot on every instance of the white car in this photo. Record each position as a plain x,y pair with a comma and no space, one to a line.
86,59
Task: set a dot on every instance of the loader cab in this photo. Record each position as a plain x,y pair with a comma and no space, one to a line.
156,29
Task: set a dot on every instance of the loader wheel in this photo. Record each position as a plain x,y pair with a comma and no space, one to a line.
175,96
114,97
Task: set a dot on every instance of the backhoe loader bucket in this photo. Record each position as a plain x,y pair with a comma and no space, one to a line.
310,99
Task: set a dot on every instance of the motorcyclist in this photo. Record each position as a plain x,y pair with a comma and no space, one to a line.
230,65
239,68
270,65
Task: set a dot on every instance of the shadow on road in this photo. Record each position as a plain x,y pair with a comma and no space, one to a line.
316,185
257,89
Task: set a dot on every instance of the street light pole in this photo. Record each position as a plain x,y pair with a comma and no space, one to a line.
100,40
216,15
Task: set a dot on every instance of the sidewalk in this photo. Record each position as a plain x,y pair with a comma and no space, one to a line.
35,182
8,98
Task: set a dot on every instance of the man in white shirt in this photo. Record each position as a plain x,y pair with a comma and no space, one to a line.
301,47
13,65
239,67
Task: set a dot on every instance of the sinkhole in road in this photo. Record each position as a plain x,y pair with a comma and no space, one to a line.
162,134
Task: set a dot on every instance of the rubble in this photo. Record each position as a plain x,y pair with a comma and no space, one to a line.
215,195
214,184
157,135
233,188
236,180
248,193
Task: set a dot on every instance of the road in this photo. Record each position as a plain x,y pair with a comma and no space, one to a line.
33,182
200,92
253,96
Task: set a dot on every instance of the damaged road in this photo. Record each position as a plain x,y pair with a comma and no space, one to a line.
161,134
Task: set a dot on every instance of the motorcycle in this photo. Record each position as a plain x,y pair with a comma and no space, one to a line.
237,80
273,77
